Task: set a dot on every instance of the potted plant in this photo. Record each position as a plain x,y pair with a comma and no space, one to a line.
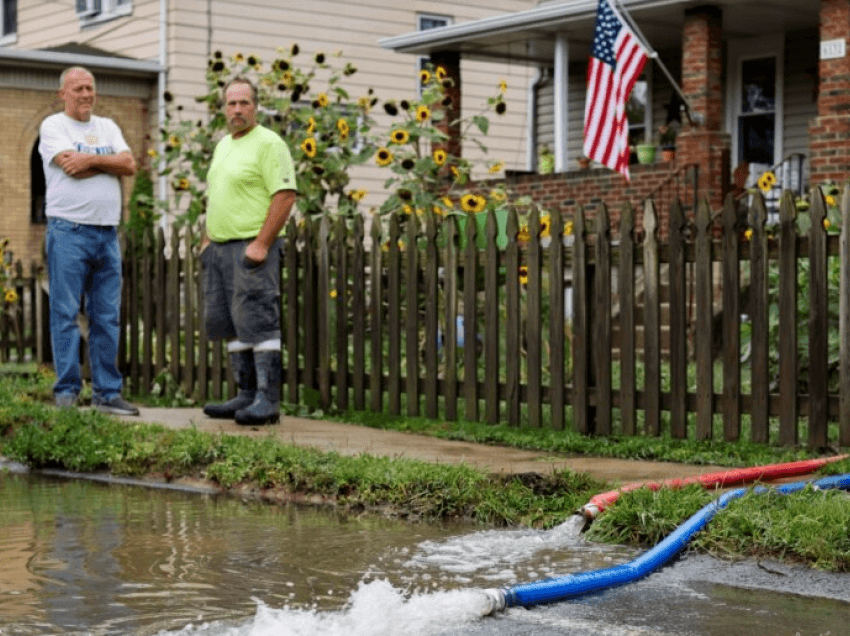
645,153
667,141
545,161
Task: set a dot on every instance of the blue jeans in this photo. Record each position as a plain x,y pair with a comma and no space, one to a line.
84,259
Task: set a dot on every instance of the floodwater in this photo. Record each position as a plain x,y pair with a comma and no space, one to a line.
83,558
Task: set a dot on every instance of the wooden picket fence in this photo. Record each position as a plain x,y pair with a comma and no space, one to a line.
604,334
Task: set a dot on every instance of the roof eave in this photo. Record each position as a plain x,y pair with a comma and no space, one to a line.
55,59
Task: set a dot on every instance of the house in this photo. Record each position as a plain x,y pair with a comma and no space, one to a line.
141,50
768,85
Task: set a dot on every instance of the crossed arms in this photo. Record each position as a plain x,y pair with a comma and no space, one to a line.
82,165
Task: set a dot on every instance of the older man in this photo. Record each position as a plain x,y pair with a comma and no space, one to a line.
84,157
250,195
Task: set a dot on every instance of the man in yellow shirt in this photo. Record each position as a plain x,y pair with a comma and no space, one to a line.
251,190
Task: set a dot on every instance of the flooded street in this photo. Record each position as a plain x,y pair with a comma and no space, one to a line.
78,558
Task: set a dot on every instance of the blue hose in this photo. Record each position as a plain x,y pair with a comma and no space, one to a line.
574,585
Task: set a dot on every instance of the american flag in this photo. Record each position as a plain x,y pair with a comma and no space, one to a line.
617,59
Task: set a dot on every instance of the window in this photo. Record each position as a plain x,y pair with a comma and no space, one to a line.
38,187
94,11
639,113
9,21
423,23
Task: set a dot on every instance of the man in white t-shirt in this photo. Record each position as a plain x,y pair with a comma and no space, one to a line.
84,157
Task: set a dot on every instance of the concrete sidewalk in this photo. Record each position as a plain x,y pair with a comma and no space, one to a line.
347,439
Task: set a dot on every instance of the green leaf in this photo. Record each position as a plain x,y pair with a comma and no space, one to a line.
482,122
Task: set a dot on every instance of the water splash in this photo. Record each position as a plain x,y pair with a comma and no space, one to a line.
374,609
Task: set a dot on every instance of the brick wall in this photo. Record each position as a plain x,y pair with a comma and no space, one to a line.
21,113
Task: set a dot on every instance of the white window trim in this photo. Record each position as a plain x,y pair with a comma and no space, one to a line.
109,11
423,59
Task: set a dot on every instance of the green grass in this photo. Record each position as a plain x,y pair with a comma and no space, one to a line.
808,527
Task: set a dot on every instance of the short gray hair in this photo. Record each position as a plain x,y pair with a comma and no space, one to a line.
242,80
64,74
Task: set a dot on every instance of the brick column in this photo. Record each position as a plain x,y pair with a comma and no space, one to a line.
829,132
704,143
450,62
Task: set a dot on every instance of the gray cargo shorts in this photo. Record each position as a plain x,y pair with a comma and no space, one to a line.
240,301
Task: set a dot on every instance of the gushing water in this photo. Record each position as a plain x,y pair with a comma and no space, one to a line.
374,609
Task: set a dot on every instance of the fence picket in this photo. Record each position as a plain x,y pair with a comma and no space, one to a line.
602,322
411,322
323,280
534,359
432,307
292,313
341,290
450,384
557,382
581,332
704,317
787,322
376,367
626,289
760,359
358,313
651,322
492,335
731,323
844,323
470,321
678,323
818,324
513,322
394,324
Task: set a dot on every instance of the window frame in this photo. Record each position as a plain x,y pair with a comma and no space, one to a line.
106,10
12,36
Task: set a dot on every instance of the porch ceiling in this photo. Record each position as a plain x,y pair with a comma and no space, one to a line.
529,36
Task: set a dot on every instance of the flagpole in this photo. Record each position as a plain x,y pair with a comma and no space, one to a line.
693,117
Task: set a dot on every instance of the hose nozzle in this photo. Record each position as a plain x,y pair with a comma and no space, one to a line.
495,601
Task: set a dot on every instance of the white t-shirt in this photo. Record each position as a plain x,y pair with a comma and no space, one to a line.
92,201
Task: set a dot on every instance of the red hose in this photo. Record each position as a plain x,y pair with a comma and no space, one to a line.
711,480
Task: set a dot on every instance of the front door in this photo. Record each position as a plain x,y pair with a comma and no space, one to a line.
755,114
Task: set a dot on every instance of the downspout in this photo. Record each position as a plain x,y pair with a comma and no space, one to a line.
163,77
562,62
531,137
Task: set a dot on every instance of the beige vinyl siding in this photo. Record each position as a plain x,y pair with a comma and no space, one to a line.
800,101
576,92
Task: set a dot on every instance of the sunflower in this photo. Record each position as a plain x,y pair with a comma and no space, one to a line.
359,194
238,58
11,296
826,224
343,128
311,126
407,208
424,76
399,136
498,195
440,156
287,78
181,184
440,73
830,200
446,201
365,103
545,225
568,228
501,107
333,293
174,141
497,167
383,157
322,100
423,113
523,275
503,86
472,203
748,234
523,236
309,147
152,153
766,181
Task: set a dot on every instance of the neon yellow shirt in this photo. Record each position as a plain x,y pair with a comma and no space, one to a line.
244,175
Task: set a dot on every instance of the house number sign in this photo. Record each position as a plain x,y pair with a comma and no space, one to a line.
833,49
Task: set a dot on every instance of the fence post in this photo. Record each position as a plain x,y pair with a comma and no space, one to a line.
492,334
376,370
358,308
651,322
532,319
626,292
556,319
393,316
731,324
323,271
818,323
411,349
787,322
704,318
470,321
341,307
602,322
431,308
450,323
760,366
678,322
513,322
581,336
844,322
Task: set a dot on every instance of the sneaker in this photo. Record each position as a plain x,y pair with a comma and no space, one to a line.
66,401
115,406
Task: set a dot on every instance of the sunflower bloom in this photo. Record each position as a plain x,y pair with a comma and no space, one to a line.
523,275
311,126
399,136
440,156
497,167
383,157
446,201
523,236
830,200
424,76
423,114
343,128
568,228
748,234
498,195
407,209
359,194
472,203
365,103
174,141
309,147
503,87
11,296
152,153
766,181
333,293
322,99
545,226
440,73
826,224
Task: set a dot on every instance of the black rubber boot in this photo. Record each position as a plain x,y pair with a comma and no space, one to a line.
266,406
242,365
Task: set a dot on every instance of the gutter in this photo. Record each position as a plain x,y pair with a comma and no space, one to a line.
41,59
